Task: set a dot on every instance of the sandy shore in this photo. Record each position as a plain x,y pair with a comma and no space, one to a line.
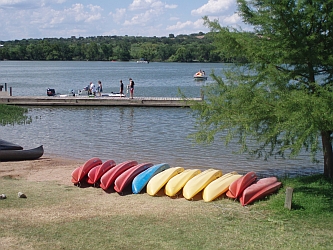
47,168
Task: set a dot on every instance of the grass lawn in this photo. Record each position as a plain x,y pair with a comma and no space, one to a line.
57,216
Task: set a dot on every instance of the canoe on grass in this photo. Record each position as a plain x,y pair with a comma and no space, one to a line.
81,172
21,155
176,183
237,187
260,189
95,174
159,180
199,182
141,180
107,180
127,177
219,186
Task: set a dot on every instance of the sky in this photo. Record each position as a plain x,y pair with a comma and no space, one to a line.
25,19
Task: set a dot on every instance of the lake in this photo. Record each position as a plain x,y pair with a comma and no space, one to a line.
152,134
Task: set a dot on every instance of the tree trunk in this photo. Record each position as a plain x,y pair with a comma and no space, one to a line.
328,153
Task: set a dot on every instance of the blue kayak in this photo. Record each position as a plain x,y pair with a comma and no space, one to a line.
141,180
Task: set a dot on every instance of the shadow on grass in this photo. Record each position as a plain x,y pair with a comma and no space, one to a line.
318,189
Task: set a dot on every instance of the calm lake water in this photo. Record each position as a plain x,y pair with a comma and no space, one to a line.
122,133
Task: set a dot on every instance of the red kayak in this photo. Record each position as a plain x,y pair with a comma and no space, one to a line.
260,189
82,172
237,187
96,173
110,176
127,177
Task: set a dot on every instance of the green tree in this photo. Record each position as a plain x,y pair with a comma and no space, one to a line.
282,98
92,52
148,51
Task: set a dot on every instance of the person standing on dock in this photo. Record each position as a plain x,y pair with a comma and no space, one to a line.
92,88
121,91
100,88
131,87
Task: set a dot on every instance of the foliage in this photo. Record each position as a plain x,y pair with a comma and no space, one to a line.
282,96
183,48
13,114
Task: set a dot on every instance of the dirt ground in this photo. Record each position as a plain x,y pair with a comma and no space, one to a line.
46,168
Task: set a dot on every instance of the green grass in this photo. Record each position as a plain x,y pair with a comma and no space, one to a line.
67,217
11,114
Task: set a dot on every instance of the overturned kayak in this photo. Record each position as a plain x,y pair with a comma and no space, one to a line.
141,180
219,186
127,177
81,173
107,180
21,155
95,174
159,180
176,183
199,182
237,187
259,190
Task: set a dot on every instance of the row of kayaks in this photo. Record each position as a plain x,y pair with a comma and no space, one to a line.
173,181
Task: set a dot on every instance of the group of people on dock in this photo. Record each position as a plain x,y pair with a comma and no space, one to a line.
92,90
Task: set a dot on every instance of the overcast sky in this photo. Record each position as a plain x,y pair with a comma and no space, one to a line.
24,19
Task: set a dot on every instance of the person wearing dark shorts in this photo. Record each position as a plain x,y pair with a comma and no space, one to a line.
121,92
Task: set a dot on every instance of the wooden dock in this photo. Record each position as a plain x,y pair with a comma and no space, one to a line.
97,101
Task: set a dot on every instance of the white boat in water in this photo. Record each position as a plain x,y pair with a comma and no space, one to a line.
113,95
142,60
200,75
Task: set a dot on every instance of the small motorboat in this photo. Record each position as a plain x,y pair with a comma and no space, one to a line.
142,60
112,94
200,75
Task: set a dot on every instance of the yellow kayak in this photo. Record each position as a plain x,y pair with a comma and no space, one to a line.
158,181
219,186
176,183
199,182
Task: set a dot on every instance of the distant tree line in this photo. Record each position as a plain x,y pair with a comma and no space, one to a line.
182,48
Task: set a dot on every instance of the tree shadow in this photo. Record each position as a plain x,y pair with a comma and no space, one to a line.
322,187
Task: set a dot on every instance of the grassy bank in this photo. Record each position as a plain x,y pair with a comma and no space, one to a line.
67,217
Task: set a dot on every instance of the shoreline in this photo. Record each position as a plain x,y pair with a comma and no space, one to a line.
47,168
